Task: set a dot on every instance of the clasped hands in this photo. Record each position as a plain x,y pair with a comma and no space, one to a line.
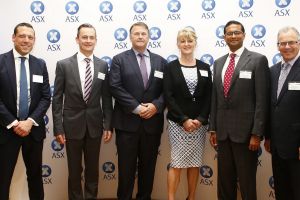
147,110
191,125
23,128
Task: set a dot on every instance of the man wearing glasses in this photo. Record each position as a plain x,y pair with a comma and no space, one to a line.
283,139
238,114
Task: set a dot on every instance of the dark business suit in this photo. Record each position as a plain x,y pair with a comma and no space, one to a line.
235,119
127,88
285,133
81,123
181,104
10,142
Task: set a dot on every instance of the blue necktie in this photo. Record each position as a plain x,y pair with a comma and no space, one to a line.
23,101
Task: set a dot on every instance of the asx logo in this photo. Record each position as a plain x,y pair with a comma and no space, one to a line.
208,5
206,172
53,36
258,32
208,59
72,7
37,7
109,169
245,4
271,184
220,34
106,7
282,11
172,57
282,3
120,35
57,148
174,6
107,59
277,58
155,34
46,172
140,6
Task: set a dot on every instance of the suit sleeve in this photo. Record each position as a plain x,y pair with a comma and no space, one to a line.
107,103
57,101
44,103
172,106
262,88
121,95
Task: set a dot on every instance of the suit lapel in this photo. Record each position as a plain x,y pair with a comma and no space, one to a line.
11,69
75,70
219,68
293,72
274,79
96,71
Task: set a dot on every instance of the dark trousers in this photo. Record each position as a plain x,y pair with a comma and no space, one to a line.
90,149
139,151
286,175
32,156
236,163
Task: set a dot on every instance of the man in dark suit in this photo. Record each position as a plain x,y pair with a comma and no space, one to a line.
136,84
24,100
238,114
81,84
283,138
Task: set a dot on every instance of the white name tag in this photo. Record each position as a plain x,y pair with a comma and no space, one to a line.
294,86
203,73
245,74
158,74
37,78
101,75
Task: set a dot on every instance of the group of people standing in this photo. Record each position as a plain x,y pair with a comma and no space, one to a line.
246,102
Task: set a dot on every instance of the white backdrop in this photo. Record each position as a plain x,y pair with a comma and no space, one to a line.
56,22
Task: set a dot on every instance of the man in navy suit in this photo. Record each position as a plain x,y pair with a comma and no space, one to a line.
283,138
24,100
136,84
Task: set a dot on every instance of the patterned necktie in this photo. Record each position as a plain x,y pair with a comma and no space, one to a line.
143,69
87,80
23,100
228,74
283,74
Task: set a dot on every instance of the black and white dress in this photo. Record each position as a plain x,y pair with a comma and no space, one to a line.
187,147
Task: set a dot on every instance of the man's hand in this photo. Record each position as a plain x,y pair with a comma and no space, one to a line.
23,128
107,135
61,139
213,139
148,110
254,142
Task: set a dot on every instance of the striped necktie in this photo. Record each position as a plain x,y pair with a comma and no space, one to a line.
88,80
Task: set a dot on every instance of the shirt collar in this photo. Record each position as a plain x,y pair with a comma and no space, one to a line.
146,52
81,57
17,55
238,52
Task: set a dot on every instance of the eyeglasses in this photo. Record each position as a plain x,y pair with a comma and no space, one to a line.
290,43
236,33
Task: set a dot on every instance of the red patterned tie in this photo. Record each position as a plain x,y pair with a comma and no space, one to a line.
228,74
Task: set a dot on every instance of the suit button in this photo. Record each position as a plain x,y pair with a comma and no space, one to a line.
194,99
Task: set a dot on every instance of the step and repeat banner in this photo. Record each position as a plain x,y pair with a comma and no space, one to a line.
56,22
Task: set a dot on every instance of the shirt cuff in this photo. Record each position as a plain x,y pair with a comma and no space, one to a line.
34,123
137,110
14,123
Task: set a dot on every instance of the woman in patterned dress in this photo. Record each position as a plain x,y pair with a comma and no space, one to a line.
187,89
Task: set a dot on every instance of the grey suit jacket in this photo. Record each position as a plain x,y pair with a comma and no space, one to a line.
71,115
244,111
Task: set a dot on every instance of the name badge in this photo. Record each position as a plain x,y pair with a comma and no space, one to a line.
101,75
37,78
245,74
203,73
158,74
294,86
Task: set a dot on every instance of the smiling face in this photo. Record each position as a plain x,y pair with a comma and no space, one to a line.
86,40
234,37
23,40
139,37
288,45
186,45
